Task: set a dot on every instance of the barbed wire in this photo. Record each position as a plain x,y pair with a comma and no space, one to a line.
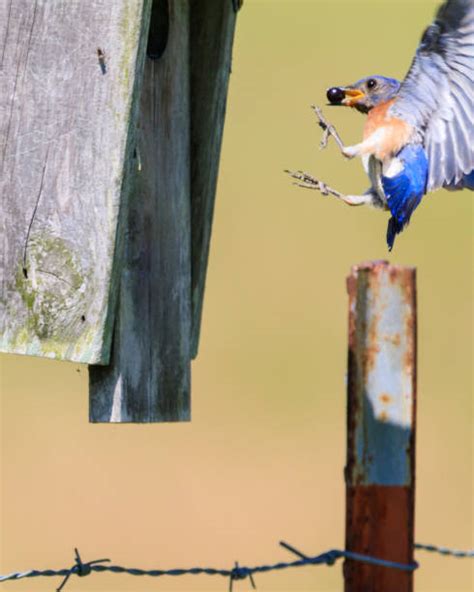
329,558
445,550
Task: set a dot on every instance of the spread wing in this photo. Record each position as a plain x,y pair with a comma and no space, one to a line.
437,95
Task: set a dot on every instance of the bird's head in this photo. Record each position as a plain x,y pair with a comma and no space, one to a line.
364,94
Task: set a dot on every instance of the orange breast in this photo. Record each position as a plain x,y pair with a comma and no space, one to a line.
395,132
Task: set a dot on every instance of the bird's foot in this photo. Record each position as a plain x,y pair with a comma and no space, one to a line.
307,181
328,130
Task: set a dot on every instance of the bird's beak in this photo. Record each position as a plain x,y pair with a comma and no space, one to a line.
352,96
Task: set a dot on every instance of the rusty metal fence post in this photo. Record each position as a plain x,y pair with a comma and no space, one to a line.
380,470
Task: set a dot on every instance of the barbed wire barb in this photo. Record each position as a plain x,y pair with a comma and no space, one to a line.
79,568
240,573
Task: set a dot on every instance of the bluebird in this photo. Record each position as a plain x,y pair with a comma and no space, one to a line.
419,133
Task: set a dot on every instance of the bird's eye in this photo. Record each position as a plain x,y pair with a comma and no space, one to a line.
371,83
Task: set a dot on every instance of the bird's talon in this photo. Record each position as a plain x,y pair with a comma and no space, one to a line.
324,140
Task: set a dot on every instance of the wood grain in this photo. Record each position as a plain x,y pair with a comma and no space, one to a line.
148,379
109,164
67,90
212,35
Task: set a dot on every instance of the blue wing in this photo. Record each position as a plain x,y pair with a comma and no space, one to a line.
405,189
436,96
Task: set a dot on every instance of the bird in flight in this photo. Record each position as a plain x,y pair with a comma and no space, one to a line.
419,133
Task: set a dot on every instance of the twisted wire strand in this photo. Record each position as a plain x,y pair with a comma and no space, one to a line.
445,550
329,558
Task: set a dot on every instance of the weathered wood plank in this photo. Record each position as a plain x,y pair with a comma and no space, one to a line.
212,35
149,376
380,471
68,74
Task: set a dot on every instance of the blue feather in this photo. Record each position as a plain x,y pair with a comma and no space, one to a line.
405,190
467,182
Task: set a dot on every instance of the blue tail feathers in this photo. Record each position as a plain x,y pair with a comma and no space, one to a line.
405,189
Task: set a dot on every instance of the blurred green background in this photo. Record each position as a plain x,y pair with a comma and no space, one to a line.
263,457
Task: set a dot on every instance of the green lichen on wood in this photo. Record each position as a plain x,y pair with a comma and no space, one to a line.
56,293
53,288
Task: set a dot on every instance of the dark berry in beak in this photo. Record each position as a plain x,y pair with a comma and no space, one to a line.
335,95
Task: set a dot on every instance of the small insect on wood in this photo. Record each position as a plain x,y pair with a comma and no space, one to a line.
102,60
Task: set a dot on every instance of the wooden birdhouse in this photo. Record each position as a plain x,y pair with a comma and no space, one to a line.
111,118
